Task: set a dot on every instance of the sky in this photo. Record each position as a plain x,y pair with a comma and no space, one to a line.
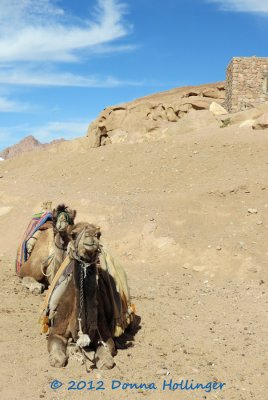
63,61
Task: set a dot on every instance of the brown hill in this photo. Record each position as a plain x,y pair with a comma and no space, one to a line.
29,143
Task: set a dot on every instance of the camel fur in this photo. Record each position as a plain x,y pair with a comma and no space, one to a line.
85,312
49,251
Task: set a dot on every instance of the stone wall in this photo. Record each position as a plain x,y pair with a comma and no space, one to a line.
246,83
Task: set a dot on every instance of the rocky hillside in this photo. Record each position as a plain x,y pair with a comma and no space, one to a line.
152,116
29,143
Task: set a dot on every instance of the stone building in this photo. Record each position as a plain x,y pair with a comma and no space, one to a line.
246,83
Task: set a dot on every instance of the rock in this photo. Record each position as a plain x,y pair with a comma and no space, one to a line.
253,269
214,93
162,371
251,114
164,241
151,117
252,211
199,268
218,248
171,116
217,109
193,120
186,266
4,210
248,123
242,245
261,122
149,228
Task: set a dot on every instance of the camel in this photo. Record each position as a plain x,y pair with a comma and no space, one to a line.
49,250
85,311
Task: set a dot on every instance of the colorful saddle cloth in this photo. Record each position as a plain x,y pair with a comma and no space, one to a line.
36,223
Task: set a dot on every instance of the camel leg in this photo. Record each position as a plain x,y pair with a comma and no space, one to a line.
57,346
34,286
104,355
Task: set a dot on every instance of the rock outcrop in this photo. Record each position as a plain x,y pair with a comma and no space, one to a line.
152,116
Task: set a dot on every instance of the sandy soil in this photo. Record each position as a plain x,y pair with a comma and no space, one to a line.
175,211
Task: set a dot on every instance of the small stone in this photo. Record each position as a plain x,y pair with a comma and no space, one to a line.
242,245
252,211
162,371
199,268
259,222
253,269
234,348
218,248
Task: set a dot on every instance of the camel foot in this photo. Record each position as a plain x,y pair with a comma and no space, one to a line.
104,359
58,359
37,288
34,286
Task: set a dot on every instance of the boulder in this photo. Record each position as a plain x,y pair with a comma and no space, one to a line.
261,122
214,93
217,109
248,123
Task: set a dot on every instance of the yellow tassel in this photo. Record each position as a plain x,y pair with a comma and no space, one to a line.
44,322
118,331
133,308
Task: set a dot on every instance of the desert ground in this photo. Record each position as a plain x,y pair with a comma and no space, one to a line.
187,215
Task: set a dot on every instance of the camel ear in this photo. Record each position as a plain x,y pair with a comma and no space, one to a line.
72,215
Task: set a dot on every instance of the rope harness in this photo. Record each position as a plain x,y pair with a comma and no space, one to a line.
46,263
84,339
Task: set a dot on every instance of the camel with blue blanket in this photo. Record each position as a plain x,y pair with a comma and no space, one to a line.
43,247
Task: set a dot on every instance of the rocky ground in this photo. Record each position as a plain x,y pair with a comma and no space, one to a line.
188,216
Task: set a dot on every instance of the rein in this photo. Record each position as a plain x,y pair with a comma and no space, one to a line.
84,339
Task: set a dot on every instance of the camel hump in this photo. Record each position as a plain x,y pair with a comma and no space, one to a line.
36,222
123,310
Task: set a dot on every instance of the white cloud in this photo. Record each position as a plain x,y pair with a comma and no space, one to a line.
256,6
45,32
11,106
57,130
34,77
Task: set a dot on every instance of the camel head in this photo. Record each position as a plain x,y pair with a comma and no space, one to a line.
84,242
63,217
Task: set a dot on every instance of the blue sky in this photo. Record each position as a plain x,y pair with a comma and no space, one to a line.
63,61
